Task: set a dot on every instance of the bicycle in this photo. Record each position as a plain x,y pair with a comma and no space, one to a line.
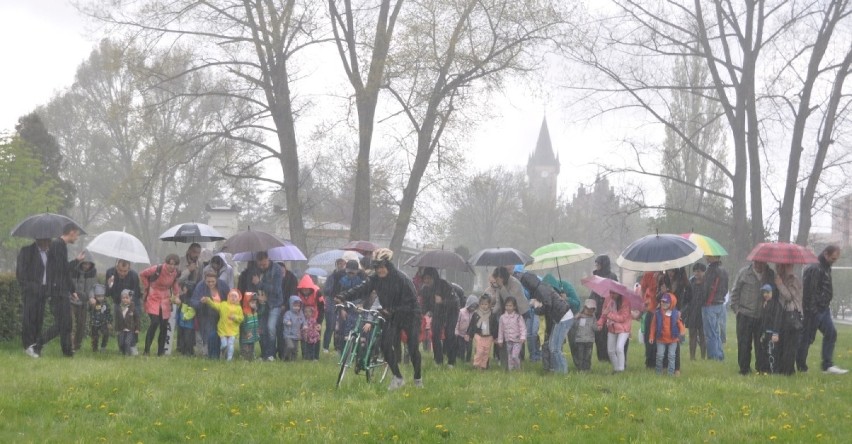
361,351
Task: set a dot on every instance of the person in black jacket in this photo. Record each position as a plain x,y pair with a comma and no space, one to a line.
399,308
31,273
603,268
61,289
817,294
441,300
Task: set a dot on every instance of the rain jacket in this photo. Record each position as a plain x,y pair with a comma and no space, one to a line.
396,292
293,321
512,328
604,272
617,320
553,305
248,330
667,327
84,281
127,320
584,328
818,289
270,283
770,315
159,291
745,294
207,316
464,315
230,317
715,284
565,288
790,293
226,273
512,288
314,299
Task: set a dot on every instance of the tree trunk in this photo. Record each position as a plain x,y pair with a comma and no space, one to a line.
360,228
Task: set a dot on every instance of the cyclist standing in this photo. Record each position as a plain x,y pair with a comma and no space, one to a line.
399,307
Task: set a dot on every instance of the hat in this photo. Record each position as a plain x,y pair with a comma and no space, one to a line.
591,303
667,298
472,300
126,291
352,265
100,290
766,287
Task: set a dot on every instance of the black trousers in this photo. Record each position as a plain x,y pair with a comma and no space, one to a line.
101,331
748,337
410,322
444,338
60,306
32,317
163,325
788,345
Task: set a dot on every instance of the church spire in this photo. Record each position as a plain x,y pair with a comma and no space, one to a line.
543,154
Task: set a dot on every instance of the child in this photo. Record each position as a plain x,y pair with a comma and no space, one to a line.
463,323
584,335
249,328
617,318
483,326
186,326
101,318
770,325
230,318
512,331
294,322
666,331
127,324
311,336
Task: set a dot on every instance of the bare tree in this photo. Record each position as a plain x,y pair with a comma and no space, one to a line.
446,48
350,24
256,44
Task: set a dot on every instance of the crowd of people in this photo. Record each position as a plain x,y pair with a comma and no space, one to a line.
197,308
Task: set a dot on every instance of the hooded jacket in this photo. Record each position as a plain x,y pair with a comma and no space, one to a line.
667,327
293,321
230,317
160,291
314,299
604,272
553,305
396,292
617,320
565,288
226,273
449,301
84,280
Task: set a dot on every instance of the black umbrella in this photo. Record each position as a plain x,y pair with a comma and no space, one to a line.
497,257
44,226
248,241
439,259
191,232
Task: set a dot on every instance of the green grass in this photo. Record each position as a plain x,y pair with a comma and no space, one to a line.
110,398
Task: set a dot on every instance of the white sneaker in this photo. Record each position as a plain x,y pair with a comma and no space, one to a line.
270,358
134,351
418,383
396,383
30,351
835,370
325,350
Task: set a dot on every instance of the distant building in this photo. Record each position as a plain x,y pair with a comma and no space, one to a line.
543,167
841,222
223,217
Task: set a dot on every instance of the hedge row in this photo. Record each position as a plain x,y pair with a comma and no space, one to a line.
10,307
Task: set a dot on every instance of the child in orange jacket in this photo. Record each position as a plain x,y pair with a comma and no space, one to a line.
666,331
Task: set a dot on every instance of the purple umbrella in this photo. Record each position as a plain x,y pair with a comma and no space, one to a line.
604,286
288,252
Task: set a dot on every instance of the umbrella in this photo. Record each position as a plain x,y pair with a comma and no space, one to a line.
657,252
782,253
558,253
43,226
603,286
707,244
119,245
288,252
361,246
316,271
250,241
495,257
439,259
191,232
327,258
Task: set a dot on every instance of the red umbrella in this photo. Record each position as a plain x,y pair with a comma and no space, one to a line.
603,286
361,246
782,253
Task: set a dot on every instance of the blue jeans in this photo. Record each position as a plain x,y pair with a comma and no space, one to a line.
821,321
532,336
558,363
662,350
711,316
268,339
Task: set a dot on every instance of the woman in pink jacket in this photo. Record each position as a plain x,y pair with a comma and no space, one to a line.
159,287
617,318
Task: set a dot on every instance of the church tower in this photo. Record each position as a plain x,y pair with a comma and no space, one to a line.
543,167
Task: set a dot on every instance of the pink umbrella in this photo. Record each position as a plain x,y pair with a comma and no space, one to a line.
603,286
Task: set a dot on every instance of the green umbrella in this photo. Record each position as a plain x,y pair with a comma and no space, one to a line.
707,244
557,254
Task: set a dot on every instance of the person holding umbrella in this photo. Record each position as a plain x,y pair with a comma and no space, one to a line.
120,278
31,273
617,318
790,295
746,301
441,301
603,268
268,281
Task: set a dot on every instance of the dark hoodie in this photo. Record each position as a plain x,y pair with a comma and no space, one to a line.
817,287
396,292
84,280
450,302
553,306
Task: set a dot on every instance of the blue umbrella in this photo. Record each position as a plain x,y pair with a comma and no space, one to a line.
288,252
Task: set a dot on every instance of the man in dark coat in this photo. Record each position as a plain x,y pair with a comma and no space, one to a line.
120,278
817,293
441,300
31,273
61,289
399,308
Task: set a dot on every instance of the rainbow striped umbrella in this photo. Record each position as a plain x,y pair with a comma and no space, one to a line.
707,244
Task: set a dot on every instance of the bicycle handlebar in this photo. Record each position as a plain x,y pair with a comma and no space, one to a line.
349,304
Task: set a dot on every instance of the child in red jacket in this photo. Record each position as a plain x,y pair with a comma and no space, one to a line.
666,331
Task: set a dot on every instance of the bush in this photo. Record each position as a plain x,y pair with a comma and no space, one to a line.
10,307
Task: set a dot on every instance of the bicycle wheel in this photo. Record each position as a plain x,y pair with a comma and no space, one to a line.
346,357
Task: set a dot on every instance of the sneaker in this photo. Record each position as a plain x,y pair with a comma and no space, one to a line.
418,383
270,358
325,350
450,366
396,383
133,351
835,370
30,351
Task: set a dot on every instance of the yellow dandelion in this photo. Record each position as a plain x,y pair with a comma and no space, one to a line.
365,433
787,427
189,422
773,438
819,436
102,406
88,406
535,427
158,423
202,436
712,432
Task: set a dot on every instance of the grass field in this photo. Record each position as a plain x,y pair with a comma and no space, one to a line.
110,398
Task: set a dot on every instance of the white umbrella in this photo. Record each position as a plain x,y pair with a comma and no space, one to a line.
119,245
327,258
